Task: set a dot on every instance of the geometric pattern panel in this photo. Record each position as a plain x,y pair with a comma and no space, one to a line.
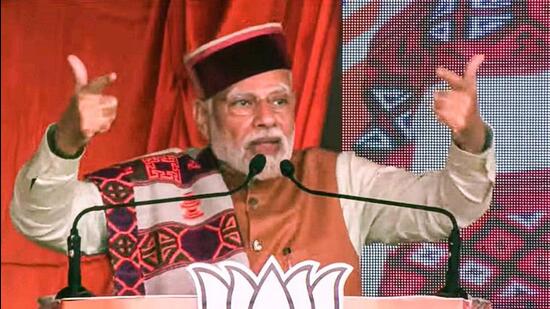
116,187
171,245
139,254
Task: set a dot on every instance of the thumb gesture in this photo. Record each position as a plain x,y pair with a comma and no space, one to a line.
457,108
90,112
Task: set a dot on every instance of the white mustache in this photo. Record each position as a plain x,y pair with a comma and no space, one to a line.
271,134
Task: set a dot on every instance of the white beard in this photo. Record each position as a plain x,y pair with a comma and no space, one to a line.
236,155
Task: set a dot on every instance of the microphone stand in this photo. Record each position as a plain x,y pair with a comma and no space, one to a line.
452,286
75,288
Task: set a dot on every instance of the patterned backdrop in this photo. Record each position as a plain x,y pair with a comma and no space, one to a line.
391,49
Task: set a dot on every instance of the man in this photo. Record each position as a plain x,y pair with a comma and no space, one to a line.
246,106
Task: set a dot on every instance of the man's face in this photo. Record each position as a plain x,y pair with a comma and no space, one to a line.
253,116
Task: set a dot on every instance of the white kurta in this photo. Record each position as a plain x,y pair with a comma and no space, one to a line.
48,196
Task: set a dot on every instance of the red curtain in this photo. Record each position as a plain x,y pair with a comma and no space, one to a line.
143,42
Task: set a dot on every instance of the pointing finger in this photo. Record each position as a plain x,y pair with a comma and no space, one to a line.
453,79
79,71
97,85
472,67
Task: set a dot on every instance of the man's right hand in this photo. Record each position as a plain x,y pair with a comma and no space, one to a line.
89,112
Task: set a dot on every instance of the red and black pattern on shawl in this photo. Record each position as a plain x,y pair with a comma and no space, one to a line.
137,255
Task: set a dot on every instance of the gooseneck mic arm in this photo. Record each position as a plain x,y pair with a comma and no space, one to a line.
75,288
452,286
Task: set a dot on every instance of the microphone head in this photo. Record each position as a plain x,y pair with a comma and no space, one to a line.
256,165
287,169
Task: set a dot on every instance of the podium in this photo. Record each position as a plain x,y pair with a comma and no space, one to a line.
190,302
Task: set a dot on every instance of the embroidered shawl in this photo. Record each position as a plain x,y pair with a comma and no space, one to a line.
150,246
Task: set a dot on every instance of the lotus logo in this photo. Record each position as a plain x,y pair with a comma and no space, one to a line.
233,285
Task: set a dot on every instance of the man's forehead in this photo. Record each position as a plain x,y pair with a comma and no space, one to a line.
259,91
261,84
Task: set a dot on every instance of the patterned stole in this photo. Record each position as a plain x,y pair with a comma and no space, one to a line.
149,246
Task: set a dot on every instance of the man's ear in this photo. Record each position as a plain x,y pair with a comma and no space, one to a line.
201,114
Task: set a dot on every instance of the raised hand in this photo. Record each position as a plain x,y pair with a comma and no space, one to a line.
90,112
457,108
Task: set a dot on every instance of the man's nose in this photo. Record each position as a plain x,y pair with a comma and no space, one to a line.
264,115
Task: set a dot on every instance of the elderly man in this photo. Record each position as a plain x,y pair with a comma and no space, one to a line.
246,107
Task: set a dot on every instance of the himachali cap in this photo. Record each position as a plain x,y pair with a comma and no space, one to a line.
220,63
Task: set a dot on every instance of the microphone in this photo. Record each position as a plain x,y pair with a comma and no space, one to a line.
75,288
452,286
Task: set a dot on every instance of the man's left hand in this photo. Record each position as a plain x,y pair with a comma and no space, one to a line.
457,108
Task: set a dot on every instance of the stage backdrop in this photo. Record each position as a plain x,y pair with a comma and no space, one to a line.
144,43
390,52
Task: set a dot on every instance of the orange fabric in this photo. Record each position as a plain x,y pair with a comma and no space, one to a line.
281,216
143,42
